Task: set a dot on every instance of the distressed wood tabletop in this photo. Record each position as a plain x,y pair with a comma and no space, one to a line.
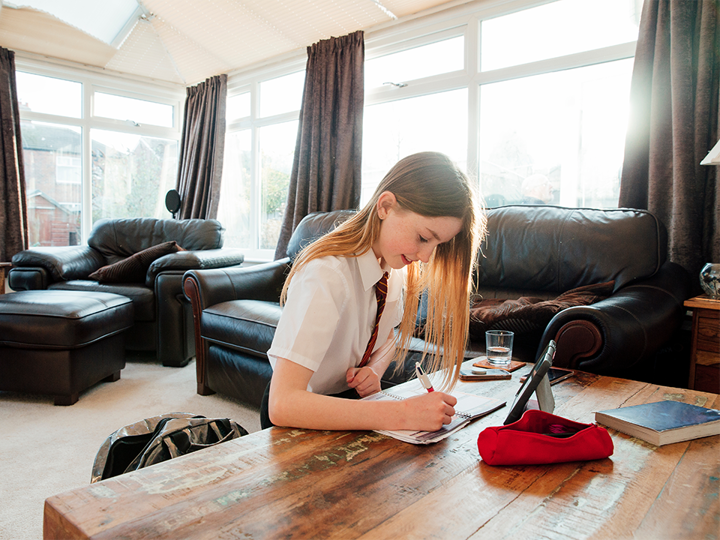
293,483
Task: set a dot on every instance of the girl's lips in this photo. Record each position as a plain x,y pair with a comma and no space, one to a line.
405,260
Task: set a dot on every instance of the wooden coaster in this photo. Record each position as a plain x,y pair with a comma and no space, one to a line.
482,361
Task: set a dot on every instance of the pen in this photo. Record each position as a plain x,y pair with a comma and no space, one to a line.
424,379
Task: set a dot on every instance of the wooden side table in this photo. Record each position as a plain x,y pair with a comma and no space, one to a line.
4,269
705,352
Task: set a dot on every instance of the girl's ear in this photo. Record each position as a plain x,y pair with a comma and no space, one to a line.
385,203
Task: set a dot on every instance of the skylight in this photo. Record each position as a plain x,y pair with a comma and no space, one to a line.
106,20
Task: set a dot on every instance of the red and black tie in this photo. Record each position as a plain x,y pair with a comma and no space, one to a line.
381,295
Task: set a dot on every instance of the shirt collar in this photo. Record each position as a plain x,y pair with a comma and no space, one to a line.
370,269
371,272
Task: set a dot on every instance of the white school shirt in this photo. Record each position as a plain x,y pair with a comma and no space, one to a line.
329,316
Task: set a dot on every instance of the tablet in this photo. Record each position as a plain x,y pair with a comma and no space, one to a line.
534,379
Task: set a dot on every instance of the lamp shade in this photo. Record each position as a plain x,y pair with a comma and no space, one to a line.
713,157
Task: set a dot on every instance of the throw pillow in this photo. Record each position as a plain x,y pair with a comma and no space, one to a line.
134,268
528,314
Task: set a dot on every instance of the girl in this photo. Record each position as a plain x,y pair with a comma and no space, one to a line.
422,229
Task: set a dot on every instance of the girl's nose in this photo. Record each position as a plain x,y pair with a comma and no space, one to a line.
425,253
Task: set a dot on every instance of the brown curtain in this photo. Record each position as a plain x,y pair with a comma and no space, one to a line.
202,148
673,124
326,167
13,205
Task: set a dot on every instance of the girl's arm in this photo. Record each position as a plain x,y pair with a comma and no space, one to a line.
292,405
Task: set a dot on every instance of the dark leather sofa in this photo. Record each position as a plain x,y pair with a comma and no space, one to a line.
538,251
162,320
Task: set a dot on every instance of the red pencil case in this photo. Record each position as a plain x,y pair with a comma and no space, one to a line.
540,437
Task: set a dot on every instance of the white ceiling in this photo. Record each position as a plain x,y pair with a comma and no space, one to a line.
187,41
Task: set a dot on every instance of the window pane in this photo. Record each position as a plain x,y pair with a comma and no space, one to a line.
569,127
49,95
277,147
52,157
135,110
399,128
557,29
131,175
235,206
282,95
433,59
238,106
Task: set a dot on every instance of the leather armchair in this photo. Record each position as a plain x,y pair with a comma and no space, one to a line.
539,251
163,319
236,311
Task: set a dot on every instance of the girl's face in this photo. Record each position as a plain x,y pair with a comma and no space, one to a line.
406,237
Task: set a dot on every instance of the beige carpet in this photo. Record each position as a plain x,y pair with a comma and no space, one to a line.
46,450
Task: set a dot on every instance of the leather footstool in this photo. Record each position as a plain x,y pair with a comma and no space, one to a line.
61,342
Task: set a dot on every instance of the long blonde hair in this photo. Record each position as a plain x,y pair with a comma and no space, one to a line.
429,184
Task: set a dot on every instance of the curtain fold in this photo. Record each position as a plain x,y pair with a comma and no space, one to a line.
327,163
673,124
13,205
201,149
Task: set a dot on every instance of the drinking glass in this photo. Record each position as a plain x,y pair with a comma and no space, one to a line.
498,347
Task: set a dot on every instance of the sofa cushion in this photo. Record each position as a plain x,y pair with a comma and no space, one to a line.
117,239
245,325
134,268
528,314
550,248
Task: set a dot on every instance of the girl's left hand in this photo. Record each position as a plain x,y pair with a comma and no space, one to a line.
364,380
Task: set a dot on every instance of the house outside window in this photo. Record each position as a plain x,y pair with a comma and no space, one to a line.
94,147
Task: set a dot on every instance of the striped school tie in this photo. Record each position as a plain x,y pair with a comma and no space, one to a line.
380,295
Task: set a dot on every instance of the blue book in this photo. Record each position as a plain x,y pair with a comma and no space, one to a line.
663,422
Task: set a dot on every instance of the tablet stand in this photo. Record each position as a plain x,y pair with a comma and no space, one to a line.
544,394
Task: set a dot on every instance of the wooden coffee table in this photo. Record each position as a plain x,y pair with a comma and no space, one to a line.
282,483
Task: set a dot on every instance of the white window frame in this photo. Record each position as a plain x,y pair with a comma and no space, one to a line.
93,80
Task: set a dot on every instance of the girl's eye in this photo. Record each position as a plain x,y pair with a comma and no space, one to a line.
422,240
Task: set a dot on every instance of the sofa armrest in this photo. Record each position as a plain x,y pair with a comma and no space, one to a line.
61,263
623,331
258,282
193,260
206,288
28,278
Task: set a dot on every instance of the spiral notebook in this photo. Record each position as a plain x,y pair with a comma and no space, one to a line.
468,408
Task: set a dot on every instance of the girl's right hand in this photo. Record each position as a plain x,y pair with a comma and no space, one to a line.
430,411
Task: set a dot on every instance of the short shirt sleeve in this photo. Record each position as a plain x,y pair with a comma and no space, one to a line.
311,314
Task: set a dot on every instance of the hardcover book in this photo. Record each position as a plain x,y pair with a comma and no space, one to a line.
663,422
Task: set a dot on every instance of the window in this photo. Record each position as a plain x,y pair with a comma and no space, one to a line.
553,116
532,101
132,135
51,156
555,138
49,95
396,129
411,64
262,120
131,174
133,110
